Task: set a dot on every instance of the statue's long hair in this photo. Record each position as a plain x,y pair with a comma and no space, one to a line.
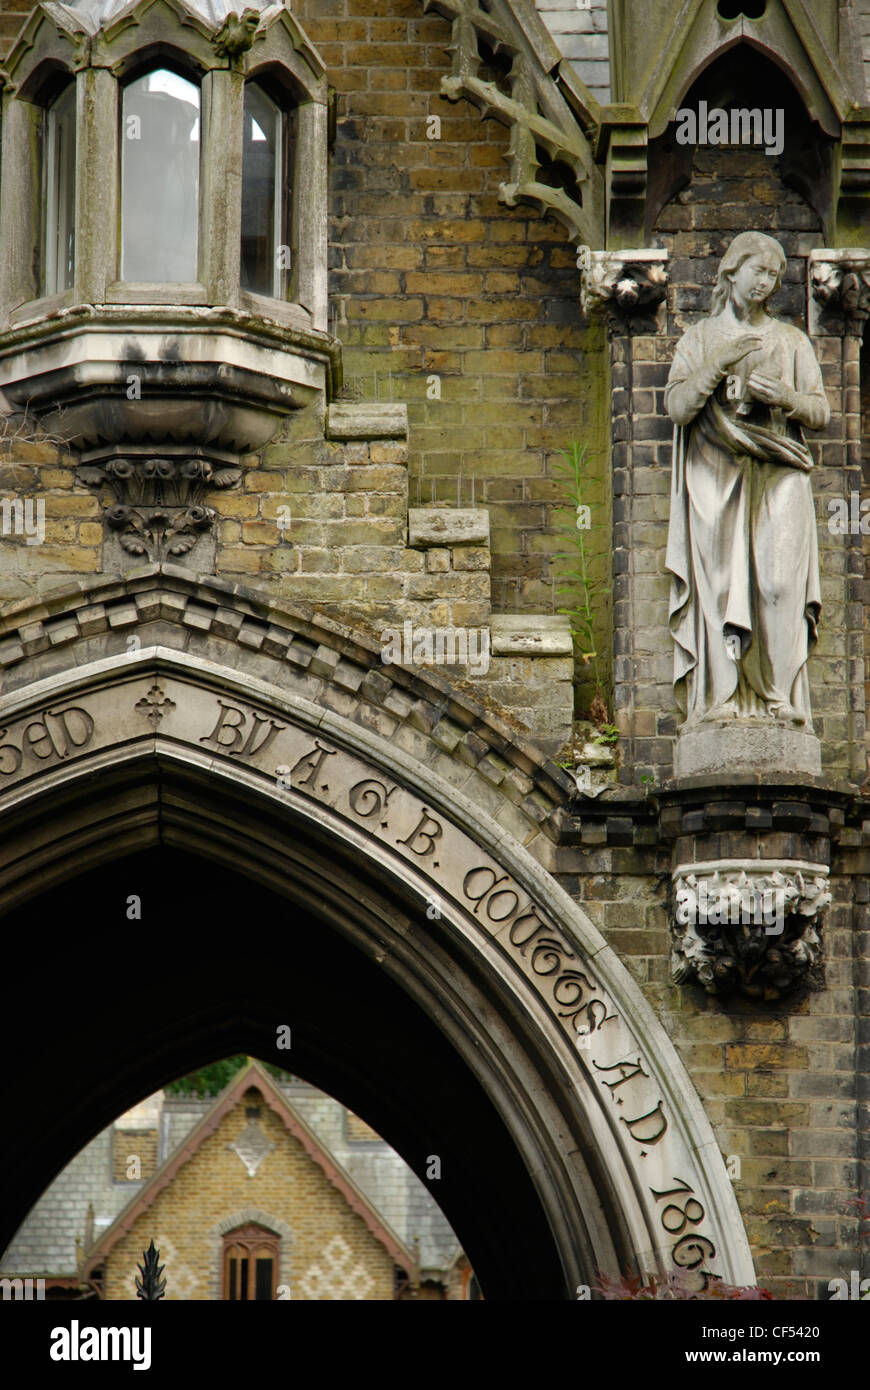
742,247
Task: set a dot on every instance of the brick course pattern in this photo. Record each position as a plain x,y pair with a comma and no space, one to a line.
436,287
134,1143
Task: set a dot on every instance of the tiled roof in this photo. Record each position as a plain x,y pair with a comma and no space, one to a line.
100,12
581,36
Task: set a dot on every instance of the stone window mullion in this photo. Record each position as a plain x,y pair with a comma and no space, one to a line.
223,94
20,202
97,185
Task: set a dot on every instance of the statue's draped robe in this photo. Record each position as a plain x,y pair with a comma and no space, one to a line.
742,546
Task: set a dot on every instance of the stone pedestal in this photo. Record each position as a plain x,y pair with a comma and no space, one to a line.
758,746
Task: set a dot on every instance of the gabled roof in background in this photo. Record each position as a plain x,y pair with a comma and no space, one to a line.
254,1076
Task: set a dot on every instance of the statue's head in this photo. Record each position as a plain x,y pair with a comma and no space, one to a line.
745,247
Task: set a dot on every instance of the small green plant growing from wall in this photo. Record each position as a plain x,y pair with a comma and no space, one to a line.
583,589
608,735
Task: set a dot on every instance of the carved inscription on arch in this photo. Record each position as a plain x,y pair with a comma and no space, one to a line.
47,737
574,995
566,981
300,762
240,732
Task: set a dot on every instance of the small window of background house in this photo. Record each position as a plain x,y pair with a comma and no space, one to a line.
250,1265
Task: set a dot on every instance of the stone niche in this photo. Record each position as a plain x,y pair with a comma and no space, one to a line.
162,368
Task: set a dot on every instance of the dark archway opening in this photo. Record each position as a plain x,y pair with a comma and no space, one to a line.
104,1010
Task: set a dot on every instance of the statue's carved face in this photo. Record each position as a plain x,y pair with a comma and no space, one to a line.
754,280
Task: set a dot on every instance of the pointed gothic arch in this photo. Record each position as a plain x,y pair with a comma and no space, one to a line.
266,754
786,35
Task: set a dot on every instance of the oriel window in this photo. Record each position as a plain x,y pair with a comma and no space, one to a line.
160,147
60,193
266,156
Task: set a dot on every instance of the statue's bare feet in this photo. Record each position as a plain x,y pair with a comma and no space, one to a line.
783,712
728,710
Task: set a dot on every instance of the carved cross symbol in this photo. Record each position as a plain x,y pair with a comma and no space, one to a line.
154,704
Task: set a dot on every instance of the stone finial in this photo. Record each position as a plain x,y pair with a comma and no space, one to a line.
629,282
747,927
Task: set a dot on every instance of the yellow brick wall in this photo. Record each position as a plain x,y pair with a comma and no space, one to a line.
327,1236
359,1132
134,1143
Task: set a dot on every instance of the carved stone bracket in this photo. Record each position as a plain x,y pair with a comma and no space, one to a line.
624,282
747,926
159,511
853,203
840,283
626,141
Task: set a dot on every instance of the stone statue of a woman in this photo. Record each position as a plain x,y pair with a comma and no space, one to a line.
742,546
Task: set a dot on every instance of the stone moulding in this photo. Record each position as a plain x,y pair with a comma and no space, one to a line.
205,375
628,1078
747,926
366,420
531,634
